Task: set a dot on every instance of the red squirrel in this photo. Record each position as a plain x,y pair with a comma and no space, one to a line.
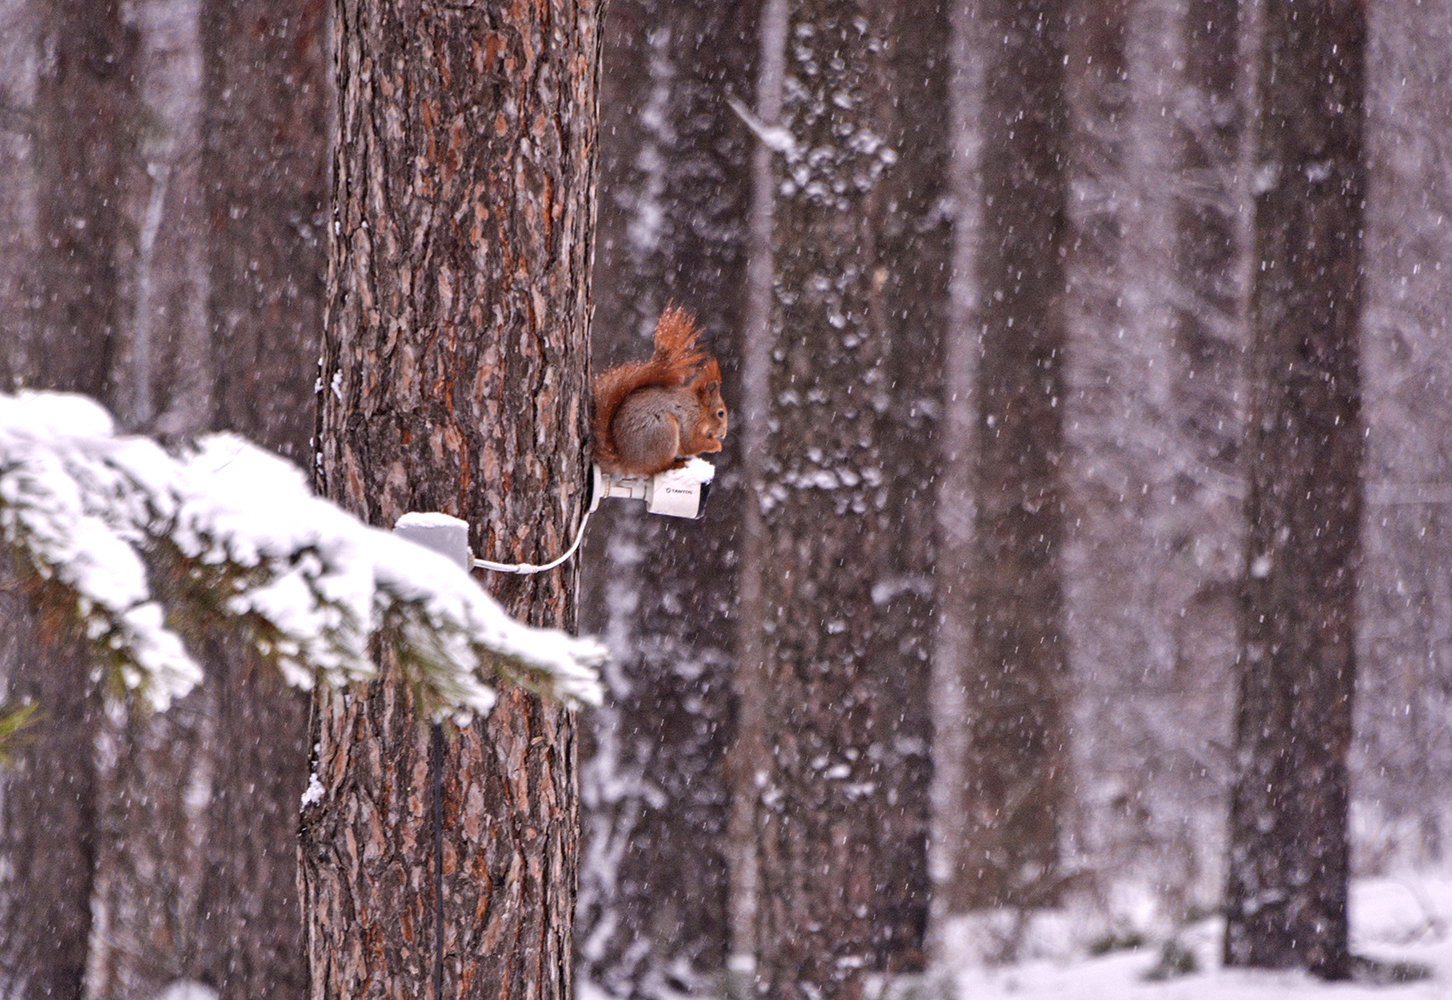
652,415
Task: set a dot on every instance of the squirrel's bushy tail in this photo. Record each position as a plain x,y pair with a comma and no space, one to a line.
676,362
675,345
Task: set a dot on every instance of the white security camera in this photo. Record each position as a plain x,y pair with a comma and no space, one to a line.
675,492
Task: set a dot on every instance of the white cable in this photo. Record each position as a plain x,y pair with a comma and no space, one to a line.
524,568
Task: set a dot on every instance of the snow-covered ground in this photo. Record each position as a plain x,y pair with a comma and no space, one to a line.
1404,919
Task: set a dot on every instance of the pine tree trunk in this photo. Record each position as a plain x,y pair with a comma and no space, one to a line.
249,941
268,94
1017,761
50,816
155,772
840,577
82,106
1289,854
956,495
83,101
162,365
454,372
152,791
1001,609
265,151
673,182
746,757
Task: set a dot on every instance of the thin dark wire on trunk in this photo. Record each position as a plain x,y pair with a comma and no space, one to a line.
436,759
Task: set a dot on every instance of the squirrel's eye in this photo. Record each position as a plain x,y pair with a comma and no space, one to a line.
720,413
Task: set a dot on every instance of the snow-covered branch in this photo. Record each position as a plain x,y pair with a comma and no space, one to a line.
150,547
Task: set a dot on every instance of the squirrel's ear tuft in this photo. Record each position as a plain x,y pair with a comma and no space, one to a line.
710,374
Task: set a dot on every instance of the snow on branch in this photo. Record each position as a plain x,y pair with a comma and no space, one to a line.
149,547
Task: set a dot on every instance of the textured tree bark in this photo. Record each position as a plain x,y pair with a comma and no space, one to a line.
673,181
265,153
840,790
454,373
83,101
1007,623
1289,855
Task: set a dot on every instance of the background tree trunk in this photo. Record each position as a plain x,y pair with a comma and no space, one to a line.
268,92
195,852
84,103
1286,896
842,570
265,153
673,183
63,338
162,368
1005,595
957,491
154,783
19,209
454,369
155,772
746,758
50,802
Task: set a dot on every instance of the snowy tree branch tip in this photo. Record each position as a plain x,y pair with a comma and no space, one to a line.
152,546
776,138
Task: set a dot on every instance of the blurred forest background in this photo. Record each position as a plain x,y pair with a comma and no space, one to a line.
963,632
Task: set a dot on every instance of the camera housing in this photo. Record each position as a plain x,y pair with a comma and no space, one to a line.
674,493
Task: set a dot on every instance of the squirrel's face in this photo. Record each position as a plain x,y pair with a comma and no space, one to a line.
718,426
713,413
